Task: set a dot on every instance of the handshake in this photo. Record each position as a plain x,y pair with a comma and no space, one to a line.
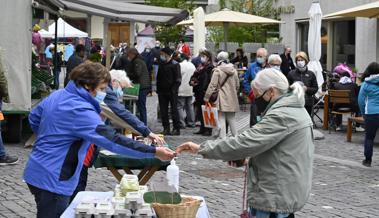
164,153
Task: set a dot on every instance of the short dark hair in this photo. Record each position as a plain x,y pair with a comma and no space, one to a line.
207,53
79,48
240,50
90,74
372,69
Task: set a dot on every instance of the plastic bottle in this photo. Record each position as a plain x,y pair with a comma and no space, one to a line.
173,175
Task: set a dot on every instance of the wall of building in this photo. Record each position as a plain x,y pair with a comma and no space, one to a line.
366,29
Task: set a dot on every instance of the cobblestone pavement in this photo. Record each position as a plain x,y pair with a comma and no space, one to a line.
341,186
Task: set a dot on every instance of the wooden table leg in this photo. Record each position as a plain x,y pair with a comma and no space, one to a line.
349,130
142,173
115,173
149,173
128,171
326,112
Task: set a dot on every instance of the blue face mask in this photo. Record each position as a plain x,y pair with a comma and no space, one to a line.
260,60
100,96
163,58
276,68
118,92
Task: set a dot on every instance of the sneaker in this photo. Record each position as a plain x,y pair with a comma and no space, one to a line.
359,129
366,163
339,128
176,132
8,160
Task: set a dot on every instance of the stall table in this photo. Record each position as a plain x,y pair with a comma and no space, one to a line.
116,163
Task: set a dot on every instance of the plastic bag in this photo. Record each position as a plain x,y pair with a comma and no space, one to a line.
210,116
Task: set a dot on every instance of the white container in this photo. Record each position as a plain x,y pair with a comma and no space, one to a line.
84,210
129,183
117,191
145,212
121,212
133,200
173,175
104,210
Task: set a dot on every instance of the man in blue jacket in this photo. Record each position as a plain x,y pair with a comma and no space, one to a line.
253,69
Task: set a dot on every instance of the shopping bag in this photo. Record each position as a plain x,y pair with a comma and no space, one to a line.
210,116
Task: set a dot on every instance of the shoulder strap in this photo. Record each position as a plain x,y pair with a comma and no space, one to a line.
223,83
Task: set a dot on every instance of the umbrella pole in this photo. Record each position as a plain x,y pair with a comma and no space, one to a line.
226,28
55,61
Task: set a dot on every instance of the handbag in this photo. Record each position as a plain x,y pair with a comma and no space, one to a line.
214,95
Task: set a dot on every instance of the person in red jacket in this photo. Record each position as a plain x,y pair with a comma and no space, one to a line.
183,48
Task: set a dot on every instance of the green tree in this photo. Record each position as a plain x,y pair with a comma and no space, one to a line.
253,33
169,33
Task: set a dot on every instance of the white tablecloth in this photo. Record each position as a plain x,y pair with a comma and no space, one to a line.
101,196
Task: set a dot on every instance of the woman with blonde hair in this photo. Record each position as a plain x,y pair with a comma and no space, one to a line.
279,148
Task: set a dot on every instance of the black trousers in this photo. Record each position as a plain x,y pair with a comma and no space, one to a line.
82,184
164,101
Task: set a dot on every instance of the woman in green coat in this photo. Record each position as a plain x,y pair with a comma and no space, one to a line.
279,148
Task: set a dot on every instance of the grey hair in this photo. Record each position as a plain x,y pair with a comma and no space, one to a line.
120,75
262,49
274,57
269,78
223,56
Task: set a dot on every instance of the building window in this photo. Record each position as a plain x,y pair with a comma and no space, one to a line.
344,42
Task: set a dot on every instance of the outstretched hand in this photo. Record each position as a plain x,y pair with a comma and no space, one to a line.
188,147
164,154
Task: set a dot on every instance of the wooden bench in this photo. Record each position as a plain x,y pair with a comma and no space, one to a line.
350,126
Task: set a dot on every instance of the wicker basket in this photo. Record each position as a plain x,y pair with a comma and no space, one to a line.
187,209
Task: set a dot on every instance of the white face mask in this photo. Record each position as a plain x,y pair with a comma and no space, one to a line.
300,64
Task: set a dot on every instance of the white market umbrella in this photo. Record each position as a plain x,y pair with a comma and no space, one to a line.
227,17
314,42
199,27
66,30
45,34
370,10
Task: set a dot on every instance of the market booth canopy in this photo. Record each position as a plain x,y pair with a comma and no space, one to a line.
370,10
233,18
127,11
66,30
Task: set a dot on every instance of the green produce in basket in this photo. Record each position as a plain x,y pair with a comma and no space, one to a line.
162,197
134,91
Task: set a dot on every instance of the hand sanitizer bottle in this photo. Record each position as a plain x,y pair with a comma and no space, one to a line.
173,175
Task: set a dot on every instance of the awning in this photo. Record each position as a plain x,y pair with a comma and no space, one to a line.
370,10
126,11
51,6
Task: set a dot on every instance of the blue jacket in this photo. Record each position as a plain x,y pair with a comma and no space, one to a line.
66,123
368,98
250,74
119,109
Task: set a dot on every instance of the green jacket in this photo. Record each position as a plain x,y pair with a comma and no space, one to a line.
280,148
139,74
3,84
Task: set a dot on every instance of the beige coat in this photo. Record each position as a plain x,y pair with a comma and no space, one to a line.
280,148
227,100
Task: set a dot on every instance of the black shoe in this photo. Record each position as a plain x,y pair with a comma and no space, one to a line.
200,132
166,132
176,132
8,160
191,126
207,133
366,163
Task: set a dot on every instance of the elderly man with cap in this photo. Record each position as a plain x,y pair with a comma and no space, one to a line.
168,81
306,77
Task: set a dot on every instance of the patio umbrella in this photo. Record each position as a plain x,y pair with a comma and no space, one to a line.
370,10
199,26
314,42
227,17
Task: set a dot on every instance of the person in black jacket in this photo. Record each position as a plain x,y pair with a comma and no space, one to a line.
168,81
139,74
287,62
200,81
306,77
240,59
75,60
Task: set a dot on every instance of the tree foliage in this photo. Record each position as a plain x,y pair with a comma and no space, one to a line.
253,33
169,33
